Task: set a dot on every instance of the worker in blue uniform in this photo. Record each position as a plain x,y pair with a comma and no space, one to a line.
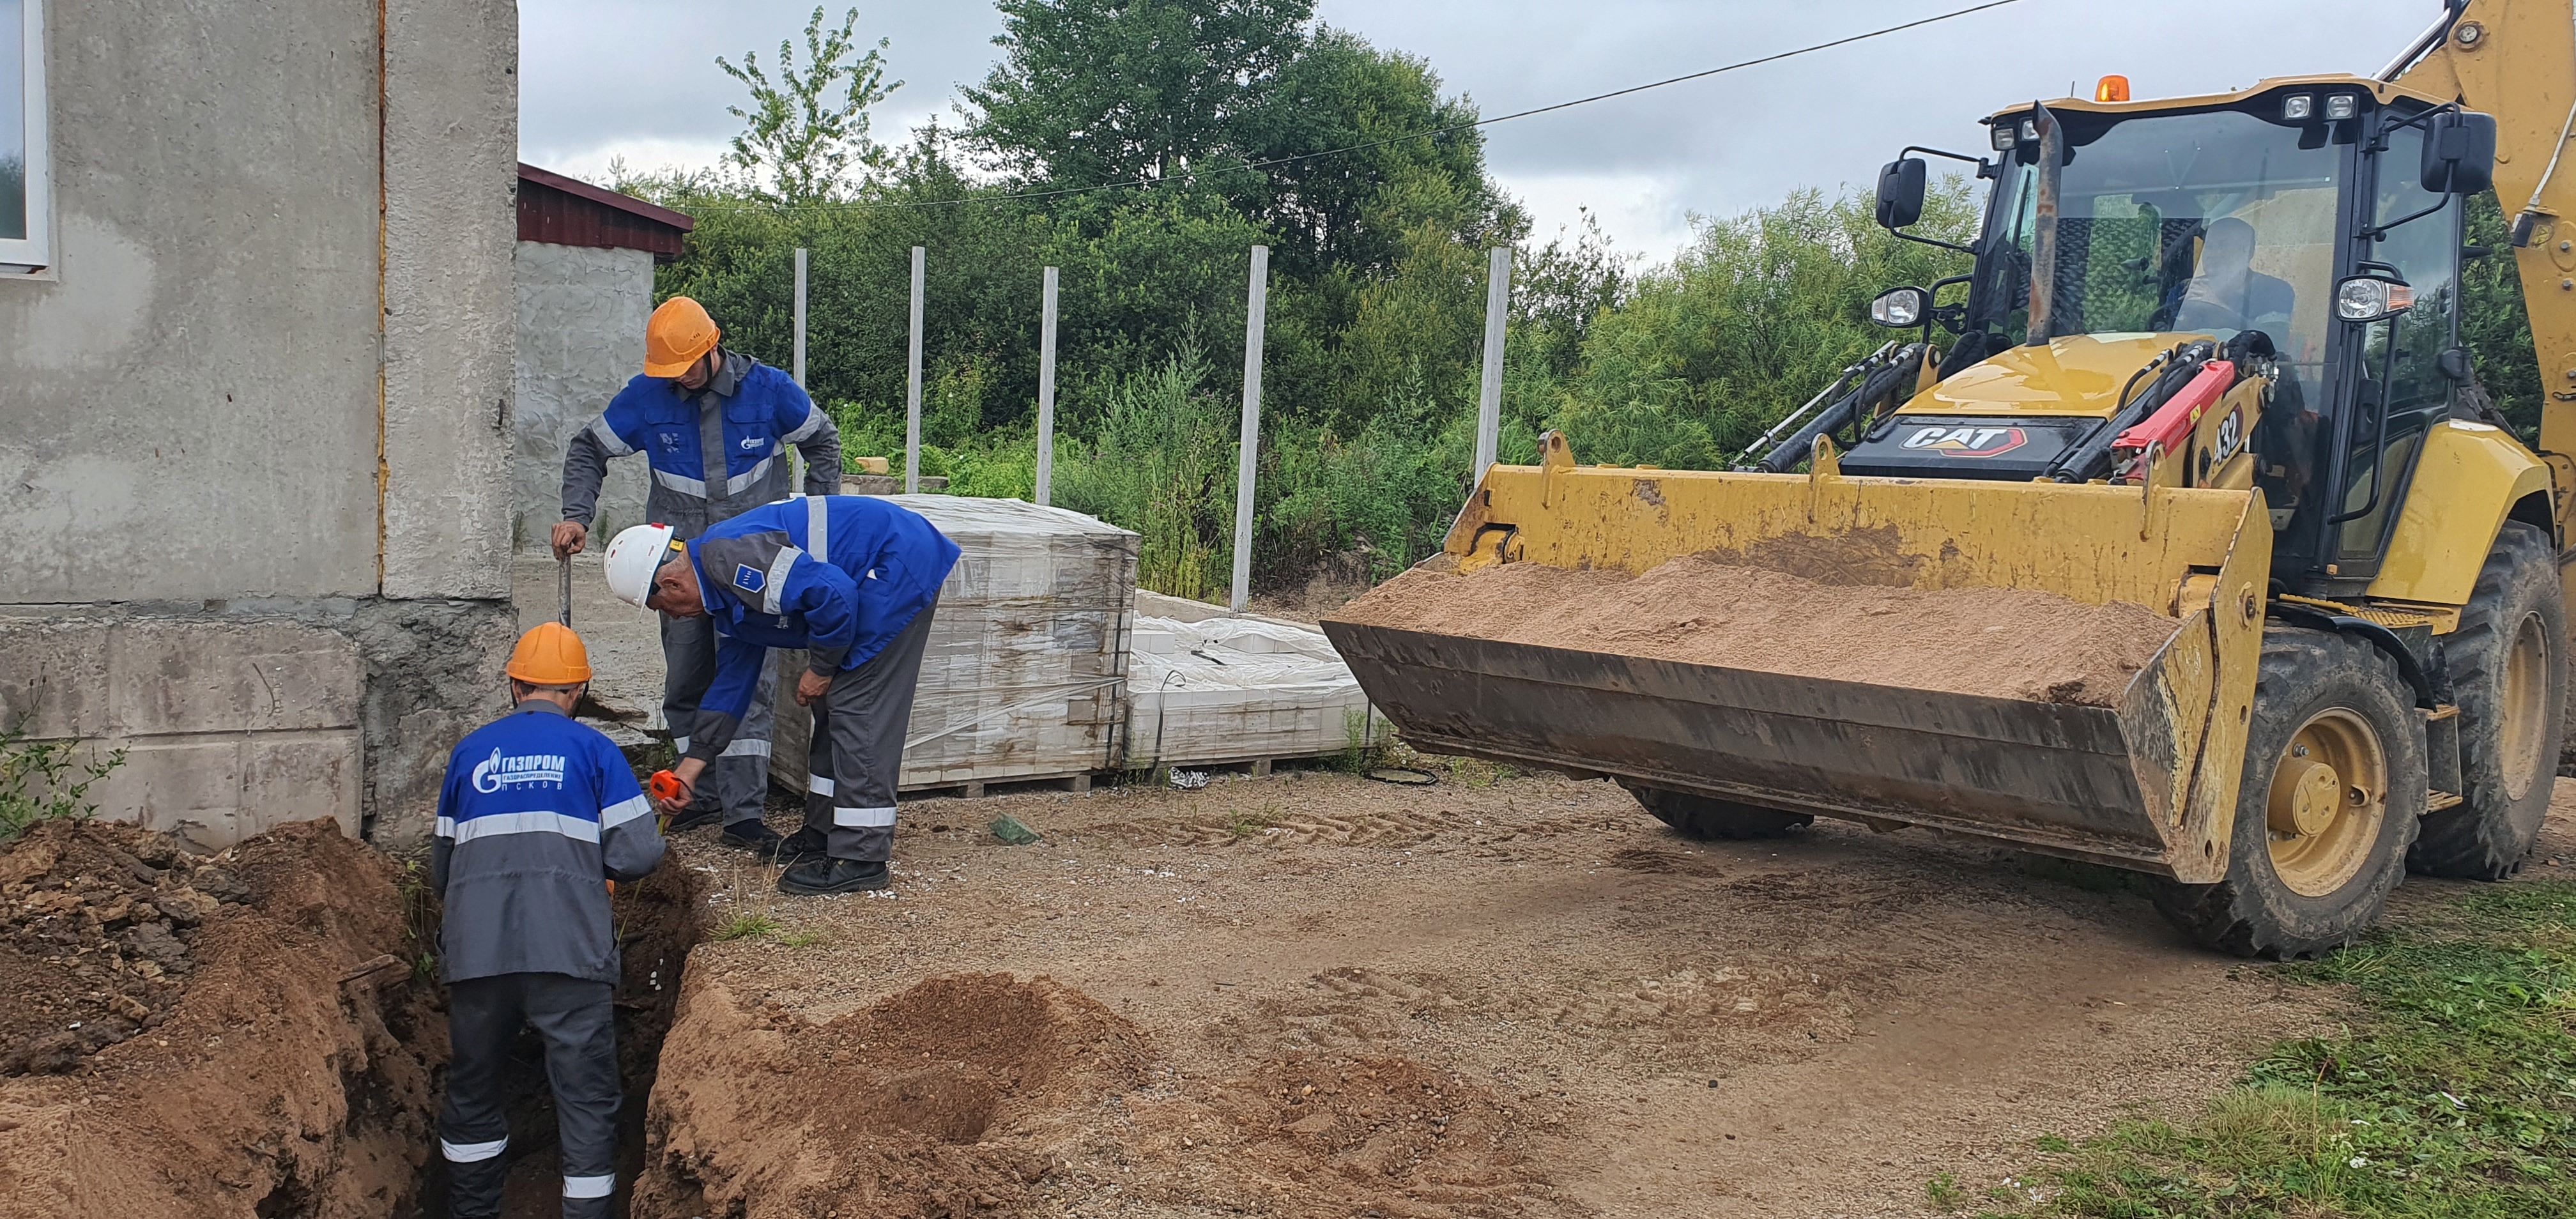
537,816
716,426
851,579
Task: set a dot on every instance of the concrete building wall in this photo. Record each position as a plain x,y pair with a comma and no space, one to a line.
582,311
258,526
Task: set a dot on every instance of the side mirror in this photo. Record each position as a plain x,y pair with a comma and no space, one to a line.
1900,190
2368,298
2453,364
2459,153
1900,308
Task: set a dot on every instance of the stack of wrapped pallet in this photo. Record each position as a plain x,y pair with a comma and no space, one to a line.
1024,674
1206,688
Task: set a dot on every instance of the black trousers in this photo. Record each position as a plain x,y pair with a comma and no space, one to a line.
576,1021
857,752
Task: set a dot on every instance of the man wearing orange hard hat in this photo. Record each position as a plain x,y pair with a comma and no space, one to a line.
536,812
715,425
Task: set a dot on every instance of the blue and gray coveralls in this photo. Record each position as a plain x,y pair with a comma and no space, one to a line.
853,580
537,812
751,413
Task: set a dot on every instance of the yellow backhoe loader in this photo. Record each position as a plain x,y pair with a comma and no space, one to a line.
2207,362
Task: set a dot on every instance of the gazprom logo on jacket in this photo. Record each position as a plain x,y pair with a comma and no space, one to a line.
749,578
527,770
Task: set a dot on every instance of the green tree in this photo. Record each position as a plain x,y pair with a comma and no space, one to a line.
797,136
2495,325
1092,92
1756,317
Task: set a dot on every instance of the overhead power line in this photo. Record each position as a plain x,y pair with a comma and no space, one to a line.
1428,133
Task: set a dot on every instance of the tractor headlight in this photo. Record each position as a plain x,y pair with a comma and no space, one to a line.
2298,108
2366,298
2343,106
1898,308
2004,136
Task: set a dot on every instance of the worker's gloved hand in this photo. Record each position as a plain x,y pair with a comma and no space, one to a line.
811,686
569,538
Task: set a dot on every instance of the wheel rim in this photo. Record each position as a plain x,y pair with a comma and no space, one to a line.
2521,692
2328,800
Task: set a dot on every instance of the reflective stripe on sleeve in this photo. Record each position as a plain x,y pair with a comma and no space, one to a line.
589,1187
472,1153
446,827
681,483
624,811
775,585
863,818
747,749
813,423
608,438
818,785
495,824
818,528
680,743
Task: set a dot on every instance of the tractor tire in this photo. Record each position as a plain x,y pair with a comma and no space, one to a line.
1707,819
2509,675
2332,793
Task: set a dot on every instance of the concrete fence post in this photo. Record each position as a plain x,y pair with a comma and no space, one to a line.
1256,305
1489,400
912,390
1046,391
796,456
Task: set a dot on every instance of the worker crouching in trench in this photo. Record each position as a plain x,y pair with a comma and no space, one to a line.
853,581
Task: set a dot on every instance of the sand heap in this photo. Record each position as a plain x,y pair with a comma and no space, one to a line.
230,1035
955,1097
1995,642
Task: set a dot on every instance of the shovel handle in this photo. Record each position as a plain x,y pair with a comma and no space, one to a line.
565,566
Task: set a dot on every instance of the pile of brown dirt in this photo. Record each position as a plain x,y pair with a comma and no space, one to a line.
1994,642
952,1098
97,927
281,1063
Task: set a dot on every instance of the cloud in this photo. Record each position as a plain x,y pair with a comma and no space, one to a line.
640,75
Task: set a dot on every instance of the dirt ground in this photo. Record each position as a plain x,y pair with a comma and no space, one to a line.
260,1049
1314,995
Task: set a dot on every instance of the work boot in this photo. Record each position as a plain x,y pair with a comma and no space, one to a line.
694,817
750,835
804,844
825,875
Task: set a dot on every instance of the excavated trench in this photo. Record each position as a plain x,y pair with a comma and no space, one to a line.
253,1033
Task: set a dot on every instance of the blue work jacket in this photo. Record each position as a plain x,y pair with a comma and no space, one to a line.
837,575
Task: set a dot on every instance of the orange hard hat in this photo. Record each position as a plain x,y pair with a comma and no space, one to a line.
550,655
679,333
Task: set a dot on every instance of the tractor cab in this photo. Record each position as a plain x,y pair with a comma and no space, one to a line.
2302,235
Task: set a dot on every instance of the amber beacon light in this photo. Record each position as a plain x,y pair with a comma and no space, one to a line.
2112,89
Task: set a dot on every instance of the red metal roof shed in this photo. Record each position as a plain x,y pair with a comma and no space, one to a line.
564,211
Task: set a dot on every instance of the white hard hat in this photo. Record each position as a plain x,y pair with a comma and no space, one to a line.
633,556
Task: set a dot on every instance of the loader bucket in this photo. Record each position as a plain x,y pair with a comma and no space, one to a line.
2148,784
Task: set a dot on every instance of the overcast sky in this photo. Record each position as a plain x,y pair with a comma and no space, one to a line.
637,78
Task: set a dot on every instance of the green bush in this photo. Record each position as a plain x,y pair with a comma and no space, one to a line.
44,780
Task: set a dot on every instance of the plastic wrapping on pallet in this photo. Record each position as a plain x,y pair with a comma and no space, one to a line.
1023,675
1237,690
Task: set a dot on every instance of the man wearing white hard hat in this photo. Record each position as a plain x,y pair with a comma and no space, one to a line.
851,580
716,426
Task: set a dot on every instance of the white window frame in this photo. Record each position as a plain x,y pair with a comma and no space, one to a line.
36,250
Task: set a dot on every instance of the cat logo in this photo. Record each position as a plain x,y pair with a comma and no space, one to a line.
1971,441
